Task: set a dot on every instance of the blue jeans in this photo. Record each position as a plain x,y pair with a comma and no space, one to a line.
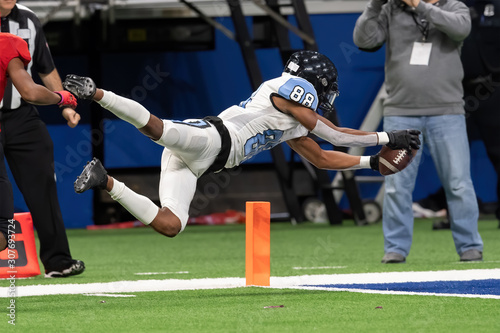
446,138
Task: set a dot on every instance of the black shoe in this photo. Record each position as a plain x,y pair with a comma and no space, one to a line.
3,242
76,267
441,225
93,176
80,86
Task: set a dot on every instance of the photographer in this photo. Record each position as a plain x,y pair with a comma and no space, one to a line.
423,77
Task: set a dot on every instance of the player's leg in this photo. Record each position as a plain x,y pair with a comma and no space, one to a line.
180,181
176,189
6,203
195,141
124,108
161,220
449,147
132,112
94,176
189,139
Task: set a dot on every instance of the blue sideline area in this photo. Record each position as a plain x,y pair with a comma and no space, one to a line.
475,287
180,85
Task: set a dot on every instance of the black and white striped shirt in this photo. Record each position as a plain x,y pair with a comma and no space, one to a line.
24,23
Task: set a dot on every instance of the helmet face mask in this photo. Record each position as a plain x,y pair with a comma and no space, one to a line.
318,70
327,104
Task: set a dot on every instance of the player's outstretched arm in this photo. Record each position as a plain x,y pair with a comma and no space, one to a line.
343,136
386,161
348,137
329,159
34,93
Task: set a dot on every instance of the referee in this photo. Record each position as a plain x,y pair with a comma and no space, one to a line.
28,147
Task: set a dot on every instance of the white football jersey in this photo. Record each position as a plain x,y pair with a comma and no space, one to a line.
256,125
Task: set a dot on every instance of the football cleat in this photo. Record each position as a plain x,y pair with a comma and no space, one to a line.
93,176
80,86
76,267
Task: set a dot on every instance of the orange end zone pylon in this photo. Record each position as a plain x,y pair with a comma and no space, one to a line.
258,243
19,259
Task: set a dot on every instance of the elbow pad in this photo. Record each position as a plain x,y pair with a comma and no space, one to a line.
338,138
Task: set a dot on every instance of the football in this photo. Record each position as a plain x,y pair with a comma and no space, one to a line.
393,161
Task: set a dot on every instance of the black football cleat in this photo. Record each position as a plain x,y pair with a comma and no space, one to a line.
93,176
80,86
76,267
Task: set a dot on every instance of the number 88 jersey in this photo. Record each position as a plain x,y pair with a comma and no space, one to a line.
256,124
300,91
290,87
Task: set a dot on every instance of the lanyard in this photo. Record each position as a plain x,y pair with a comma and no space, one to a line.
423,26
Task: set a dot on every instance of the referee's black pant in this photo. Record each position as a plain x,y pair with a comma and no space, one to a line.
28,148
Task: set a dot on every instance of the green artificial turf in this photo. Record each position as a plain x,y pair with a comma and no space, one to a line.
243,310
219,251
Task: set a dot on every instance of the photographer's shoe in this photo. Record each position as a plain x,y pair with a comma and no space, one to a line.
471,255
93,176
393,258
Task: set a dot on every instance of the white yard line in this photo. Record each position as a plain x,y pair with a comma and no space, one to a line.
161,273
295,282
389,277
109,295
125,287
319,267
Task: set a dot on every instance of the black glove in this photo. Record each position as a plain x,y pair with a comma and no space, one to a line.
374,162
81,87
404,139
